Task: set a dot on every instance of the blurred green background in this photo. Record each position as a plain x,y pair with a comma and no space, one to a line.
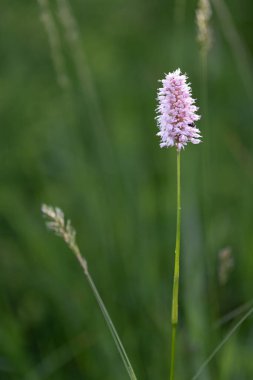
78,96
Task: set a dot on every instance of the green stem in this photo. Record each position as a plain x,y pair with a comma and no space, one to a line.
173,345
105,313
221,344
174,312
112,329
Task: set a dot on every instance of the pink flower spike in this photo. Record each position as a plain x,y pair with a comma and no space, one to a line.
177,112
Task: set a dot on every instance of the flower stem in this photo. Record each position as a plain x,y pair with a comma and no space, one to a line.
174,312
173,344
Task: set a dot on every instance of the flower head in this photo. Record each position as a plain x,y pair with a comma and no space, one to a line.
177,112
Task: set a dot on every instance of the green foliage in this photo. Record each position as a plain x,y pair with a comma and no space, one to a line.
89,147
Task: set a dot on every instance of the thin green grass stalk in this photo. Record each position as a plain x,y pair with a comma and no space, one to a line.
174,312
55,44
179,13
112,329
221,344
83,70
65,230
238,47
233,314
179,29
173,350
205,39
87,85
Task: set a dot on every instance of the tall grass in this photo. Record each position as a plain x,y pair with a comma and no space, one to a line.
56,222
90,146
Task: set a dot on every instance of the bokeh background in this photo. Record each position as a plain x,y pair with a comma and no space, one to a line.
78,83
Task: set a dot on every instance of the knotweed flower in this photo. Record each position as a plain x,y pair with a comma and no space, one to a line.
177,112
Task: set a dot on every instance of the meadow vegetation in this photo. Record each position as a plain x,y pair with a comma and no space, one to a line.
78,96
